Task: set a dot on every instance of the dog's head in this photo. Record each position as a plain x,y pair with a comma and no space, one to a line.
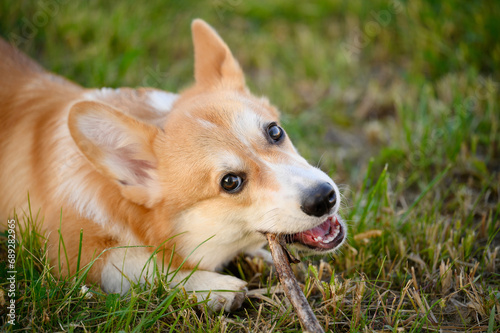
222,164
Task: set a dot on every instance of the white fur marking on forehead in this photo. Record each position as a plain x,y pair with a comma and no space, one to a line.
161,100
207,124
247,126
228,161
249,119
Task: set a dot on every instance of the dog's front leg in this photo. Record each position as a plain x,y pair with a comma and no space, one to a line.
222,291
261,253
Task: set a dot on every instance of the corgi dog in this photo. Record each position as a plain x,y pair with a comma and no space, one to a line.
153,179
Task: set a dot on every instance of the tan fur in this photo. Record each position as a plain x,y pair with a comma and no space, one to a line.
140,166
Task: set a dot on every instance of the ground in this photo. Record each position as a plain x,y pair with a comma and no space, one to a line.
398,101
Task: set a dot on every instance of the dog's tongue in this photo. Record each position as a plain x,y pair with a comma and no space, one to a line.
321,230
320,236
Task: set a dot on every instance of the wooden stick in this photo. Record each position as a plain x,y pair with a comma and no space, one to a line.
281,258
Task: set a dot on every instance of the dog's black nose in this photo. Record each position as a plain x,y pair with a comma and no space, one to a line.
320,200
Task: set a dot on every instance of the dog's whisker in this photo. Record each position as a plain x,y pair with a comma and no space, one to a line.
318,165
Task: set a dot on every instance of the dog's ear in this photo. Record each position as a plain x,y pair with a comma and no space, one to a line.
213,62
119,147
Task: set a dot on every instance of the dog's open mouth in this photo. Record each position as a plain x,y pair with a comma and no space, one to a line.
324,237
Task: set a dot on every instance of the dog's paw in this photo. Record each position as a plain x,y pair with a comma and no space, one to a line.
226,293
263,254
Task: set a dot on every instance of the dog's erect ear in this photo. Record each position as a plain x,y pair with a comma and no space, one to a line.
119,147
213,62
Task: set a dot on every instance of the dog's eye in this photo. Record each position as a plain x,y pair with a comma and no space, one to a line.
231,183
275,132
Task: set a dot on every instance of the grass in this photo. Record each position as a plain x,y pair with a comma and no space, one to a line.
399,101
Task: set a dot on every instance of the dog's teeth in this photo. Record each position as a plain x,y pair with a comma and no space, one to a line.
331,237
334,232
